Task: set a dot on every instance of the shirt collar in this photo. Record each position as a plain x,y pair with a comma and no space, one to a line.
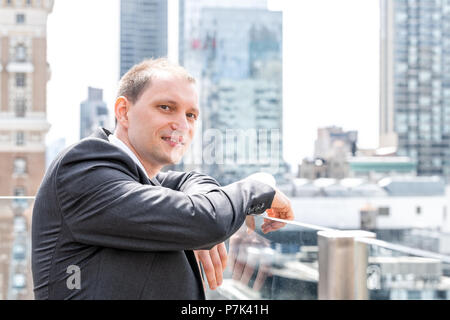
119,143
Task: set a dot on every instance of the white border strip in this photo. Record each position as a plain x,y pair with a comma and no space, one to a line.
18,198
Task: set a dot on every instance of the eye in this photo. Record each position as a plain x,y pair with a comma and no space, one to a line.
164,107
192,116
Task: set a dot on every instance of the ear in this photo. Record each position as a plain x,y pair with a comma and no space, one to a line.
121,108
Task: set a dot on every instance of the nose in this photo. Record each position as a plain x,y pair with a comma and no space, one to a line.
180,123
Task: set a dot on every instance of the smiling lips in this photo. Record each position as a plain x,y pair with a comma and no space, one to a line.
174,141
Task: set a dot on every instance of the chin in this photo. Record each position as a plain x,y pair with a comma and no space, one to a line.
175,161
175,158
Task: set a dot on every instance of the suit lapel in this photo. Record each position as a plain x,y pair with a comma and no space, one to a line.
102,133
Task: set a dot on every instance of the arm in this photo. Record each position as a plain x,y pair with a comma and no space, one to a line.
187,182
102,205
214,260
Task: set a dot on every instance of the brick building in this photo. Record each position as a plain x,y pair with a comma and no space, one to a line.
24,73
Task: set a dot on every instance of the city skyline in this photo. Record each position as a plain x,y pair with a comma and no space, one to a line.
340,58
415,107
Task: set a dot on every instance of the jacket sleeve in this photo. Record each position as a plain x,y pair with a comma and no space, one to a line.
103,205
187,182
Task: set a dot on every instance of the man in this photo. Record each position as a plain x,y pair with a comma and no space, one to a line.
107,224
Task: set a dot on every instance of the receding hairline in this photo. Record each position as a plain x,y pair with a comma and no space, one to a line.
139,78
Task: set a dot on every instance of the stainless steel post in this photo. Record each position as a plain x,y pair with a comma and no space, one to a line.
342,265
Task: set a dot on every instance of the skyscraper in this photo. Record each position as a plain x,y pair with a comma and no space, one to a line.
93,113
143,31
24,73
415,82
234,49
190,26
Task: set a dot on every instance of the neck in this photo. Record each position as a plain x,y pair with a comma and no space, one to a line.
151,169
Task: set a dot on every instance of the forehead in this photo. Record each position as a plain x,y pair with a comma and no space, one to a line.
165,85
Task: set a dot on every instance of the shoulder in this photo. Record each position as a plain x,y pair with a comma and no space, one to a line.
91,153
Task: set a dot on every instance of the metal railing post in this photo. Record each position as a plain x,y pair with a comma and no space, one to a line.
342,265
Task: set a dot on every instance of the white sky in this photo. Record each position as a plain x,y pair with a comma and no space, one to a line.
330,65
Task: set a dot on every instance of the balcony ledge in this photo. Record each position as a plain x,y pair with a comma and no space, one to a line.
24,67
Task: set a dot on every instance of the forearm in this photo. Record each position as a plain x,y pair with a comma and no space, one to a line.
188,182
113,210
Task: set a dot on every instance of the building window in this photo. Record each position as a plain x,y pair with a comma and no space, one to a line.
21,53
19,191
20,108
20,166
418,210
20,203
20,80
28,2
20,138
20,18
383,211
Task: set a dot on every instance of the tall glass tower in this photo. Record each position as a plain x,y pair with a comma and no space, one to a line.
143,31
415,82
235,51
93,113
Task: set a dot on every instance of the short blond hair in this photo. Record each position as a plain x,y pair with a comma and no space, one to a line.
139,77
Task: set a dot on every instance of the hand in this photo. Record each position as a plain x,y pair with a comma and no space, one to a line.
214,262
246,254
281,208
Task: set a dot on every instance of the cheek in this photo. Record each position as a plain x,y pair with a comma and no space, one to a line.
192,131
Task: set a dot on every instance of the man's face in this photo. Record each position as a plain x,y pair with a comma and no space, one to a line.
161,124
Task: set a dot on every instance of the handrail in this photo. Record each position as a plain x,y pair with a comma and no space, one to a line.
405,249
301,224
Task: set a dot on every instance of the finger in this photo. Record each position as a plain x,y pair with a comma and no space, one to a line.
290,215
261,276
272,226
217,263
241,260
271,223
266,223
250,222
286,215
249,268
234,245
222,250
208,268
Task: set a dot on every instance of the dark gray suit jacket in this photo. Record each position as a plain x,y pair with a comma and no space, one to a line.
131,237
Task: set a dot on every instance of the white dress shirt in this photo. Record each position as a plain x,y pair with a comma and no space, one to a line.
119,144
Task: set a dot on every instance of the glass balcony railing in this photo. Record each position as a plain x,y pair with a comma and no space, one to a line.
16,281
310,262
397,272
279,265
299,261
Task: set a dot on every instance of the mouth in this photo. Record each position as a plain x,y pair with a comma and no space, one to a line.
173,141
